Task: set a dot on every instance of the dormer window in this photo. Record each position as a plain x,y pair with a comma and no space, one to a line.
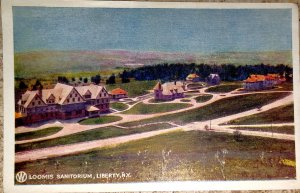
87,96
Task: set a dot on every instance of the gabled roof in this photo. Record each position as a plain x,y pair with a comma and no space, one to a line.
118,91
192,76
157,86
214,76
28,96
93,89
62,91
258,77
170,88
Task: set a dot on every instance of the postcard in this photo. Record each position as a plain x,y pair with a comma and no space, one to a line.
144,96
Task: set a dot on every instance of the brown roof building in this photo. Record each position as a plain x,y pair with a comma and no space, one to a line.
63,102
169,90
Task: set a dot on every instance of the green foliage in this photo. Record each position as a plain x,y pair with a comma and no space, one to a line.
37,86
99,120
224,88
94,134
111,79
274,129
282,114
119,106
142,108
188,156
22,85
203,98
37,134
220,108
134,88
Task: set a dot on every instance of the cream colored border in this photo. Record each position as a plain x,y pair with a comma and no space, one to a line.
8,61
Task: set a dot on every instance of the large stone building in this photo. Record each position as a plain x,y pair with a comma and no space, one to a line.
169,90
260,82
63,102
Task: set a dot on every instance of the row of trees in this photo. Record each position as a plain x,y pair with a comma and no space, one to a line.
227,72
169,72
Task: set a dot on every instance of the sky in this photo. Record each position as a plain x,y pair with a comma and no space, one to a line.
167,30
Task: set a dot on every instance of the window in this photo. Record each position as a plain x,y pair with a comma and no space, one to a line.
73,99
68,100
87,96
75,95
78,99
39,102
70,95
33,103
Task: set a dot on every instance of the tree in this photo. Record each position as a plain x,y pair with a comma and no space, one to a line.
85,80
124,77
73,79
96,79
62,79
22,85
37,86
111,79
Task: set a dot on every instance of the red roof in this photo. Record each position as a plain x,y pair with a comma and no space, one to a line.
118,91
258,77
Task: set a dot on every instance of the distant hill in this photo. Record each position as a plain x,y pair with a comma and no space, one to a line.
32,64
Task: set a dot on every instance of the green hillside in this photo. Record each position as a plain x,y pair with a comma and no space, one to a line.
43,63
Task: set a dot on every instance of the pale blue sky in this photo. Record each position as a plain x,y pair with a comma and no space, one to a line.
170,30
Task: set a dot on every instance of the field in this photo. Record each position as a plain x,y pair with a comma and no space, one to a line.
203,98
39,64
119,106
142,108
224,88
274,129
176,156
134,88
220,108
37,134
283,114
100,120
94,134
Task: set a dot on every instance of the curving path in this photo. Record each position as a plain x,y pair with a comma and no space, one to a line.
85,146
71,127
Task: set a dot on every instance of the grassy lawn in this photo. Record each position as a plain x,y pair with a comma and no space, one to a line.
176,156
94,134
275,129
286,86
224,88
37,134
203,98
158,101
220,108
142,108
119,106
134,88
282,114
99,120
185,100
